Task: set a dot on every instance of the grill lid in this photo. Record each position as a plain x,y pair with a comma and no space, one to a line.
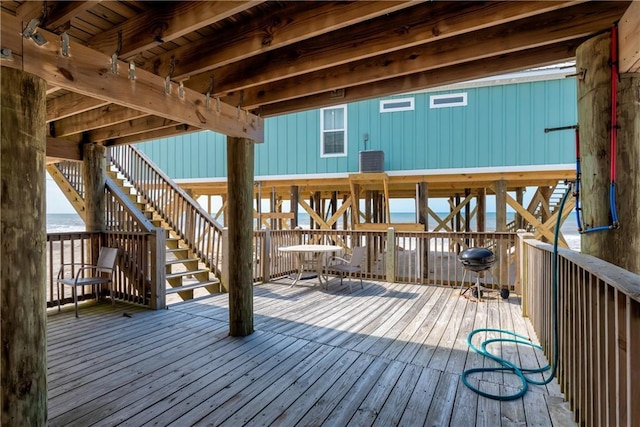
477,259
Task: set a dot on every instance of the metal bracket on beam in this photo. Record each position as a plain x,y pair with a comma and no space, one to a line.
132,71
64,45
30,29
5,53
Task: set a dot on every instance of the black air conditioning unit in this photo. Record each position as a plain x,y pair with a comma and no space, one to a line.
372,161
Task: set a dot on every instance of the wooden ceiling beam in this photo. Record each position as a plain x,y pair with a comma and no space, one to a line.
298,21
524,34
108,115
517,61
63,149
164,23
60,13
88,72
177,130
420,24
130,127
70,104
629,39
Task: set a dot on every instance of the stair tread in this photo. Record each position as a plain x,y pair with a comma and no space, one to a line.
180,260
192,286
187,273
177,249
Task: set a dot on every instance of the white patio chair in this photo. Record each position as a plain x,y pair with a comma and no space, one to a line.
348,267
90,275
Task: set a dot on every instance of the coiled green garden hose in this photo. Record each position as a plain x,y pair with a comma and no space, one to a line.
505,364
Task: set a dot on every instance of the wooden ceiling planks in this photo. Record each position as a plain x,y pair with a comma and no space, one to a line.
277,57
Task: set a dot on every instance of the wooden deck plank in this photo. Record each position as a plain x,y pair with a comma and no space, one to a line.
327,403
213,403
234,413
292,404
159,384
388,354
415,413
197,398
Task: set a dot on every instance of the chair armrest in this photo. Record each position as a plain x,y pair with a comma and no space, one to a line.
83,267
337,258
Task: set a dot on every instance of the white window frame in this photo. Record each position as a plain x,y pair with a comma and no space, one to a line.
384,102
322,131
462,103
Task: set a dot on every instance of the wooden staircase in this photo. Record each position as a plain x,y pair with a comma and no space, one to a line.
185,272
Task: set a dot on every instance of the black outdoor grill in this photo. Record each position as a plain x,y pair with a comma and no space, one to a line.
477,260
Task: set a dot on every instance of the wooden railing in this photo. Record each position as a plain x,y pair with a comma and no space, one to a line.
135,279
413,257
193,224
599,330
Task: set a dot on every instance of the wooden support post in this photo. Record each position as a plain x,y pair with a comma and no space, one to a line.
423,204
368,204
345,215
390,255
240,152
481,215
293,197
500,188
355,205
158,252
273,208
312,223
520,200
334,208
265,256
94,174
23,346
621,246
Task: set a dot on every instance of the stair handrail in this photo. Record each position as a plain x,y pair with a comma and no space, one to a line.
189,220
126,203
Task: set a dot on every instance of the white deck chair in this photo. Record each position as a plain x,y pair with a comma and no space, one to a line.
94,275
349,267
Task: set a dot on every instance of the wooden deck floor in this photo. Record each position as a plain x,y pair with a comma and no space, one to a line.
385,355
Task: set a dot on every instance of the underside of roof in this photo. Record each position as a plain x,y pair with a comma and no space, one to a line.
128,71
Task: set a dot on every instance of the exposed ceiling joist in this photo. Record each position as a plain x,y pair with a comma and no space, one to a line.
109,115
164,23
154,134
491,42
88,72
421,24
629,32
507,63
130,128
71,104
279,29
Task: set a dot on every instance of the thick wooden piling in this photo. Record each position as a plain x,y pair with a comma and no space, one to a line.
619,246
23,363
240,152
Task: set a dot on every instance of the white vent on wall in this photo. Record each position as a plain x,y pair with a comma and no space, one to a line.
448,100
400,104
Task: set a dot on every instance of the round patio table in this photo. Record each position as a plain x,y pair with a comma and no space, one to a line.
310,258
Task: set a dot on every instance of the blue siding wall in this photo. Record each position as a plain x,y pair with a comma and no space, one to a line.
500,126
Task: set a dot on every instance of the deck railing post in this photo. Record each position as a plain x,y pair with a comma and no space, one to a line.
522,278
224,274
390,255
265,258
158,254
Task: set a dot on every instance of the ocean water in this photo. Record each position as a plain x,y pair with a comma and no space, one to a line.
62,223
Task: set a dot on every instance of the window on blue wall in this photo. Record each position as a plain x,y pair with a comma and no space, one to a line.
448,100
391,105
333,128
